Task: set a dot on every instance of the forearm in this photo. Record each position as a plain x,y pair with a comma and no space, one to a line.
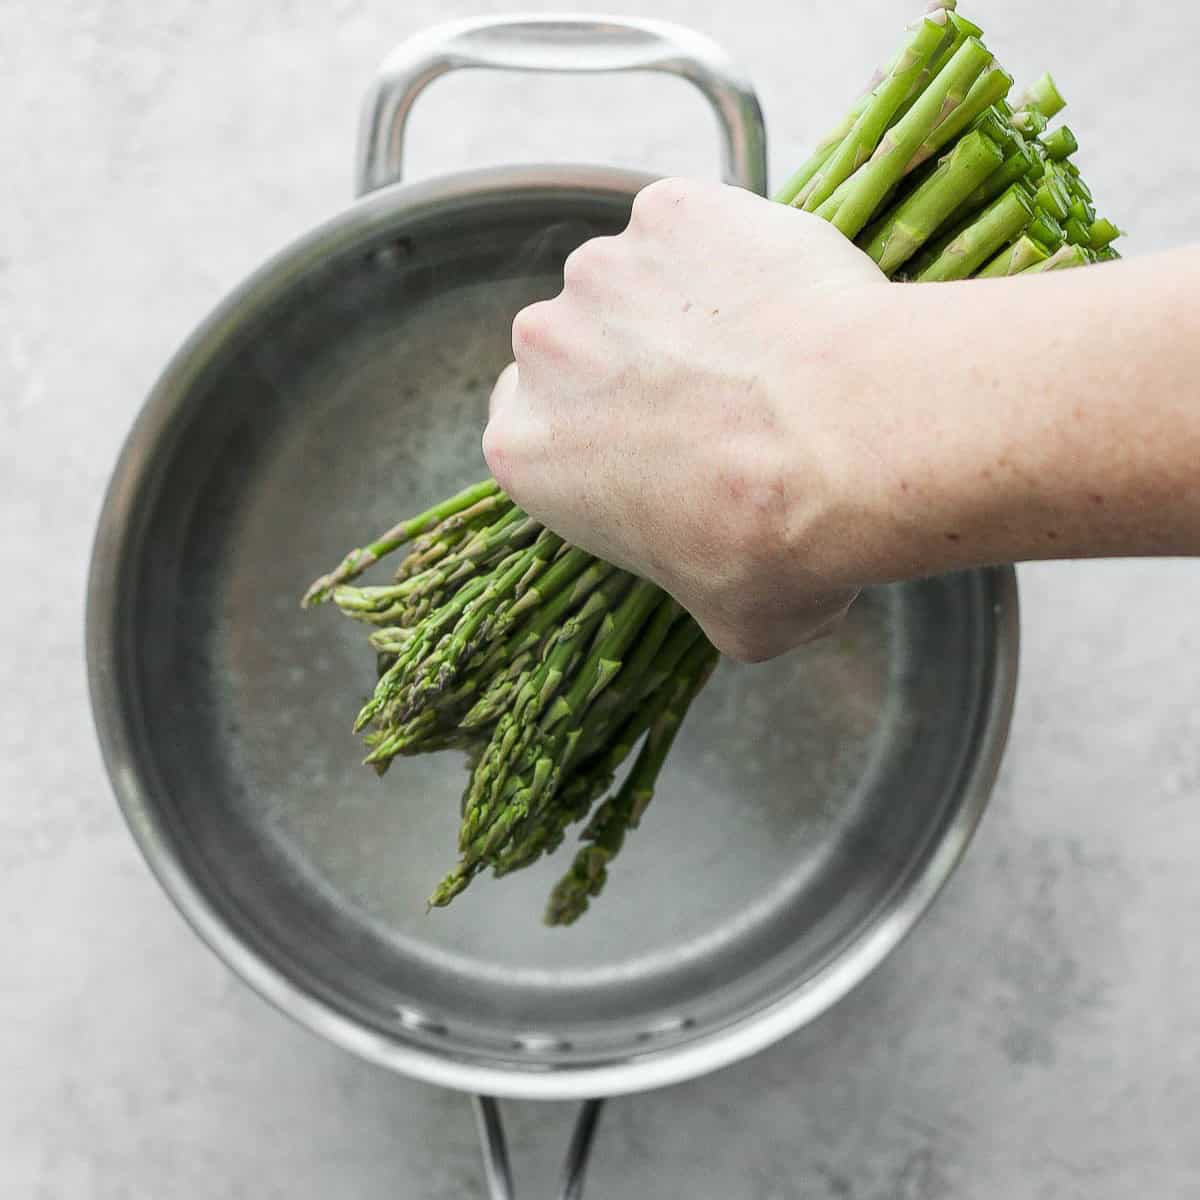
1053,417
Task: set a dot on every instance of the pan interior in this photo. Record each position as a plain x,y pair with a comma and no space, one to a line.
801,794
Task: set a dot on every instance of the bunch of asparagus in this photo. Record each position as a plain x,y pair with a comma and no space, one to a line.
544,664
548,666
937,176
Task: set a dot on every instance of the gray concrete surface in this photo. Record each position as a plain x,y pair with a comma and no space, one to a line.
1038,1036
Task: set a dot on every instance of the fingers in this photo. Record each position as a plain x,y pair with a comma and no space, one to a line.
659,207
504,390
592,264
495,435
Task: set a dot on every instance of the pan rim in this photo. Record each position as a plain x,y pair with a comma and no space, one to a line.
706,1050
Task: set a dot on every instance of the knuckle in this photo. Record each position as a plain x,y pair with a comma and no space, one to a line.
657,201
588,263
533,331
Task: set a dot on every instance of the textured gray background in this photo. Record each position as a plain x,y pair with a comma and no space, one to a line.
1038,1036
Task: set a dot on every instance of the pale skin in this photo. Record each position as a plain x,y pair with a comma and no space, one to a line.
729,399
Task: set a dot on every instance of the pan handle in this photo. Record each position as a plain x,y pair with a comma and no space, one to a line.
566,43
496,1169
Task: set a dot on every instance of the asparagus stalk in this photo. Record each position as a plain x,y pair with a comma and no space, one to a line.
871,182
992,85
1077,233
1052,197
949,231
1029,122
1016,165
1059,143
444,663
864,135
550,753
1062,259
357,561
1014,258
1076,182
834,138
1102,233
992,122
1043,96
451,532
959,30
1046,229
624,691
615,727
999,223
1082,210
606,833
484,806
900,233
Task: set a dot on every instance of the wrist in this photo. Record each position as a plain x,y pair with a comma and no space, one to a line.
984,422
879,487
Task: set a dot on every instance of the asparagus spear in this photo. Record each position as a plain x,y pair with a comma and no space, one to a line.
548,744
864,135
1014,258
1078,234
1059,143
1102,233
1016,165
450,532
1063,258
1076,182
900,233
992,85
959,30
357,561
1000,222
620,709
1082,210
868,185
1052,197
606,833
1043,96
834,138
1046,229
1029,122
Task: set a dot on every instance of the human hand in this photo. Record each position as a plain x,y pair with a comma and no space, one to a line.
670,410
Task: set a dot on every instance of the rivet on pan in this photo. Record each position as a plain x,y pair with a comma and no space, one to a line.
540,1043
413,1018
666,1026
392,254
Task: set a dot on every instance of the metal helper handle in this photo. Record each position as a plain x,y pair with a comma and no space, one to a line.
562,43
496,1169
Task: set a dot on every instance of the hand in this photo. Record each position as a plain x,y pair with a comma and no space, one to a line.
671,409
724,400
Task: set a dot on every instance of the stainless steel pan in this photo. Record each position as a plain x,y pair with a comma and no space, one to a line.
811,810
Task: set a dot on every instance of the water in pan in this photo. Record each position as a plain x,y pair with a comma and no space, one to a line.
796,794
